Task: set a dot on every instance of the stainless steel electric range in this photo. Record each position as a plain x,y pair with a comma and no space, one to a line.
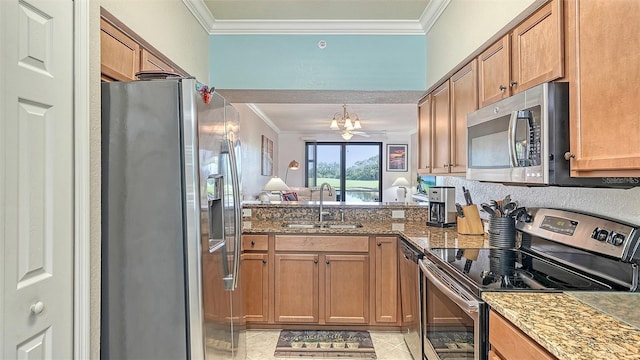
558,250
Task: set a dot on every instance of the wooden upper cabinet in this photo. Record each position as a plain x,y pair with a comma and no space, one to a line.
148,61
494,66
441,130
424,136
120,55
603,58
531,54
464,100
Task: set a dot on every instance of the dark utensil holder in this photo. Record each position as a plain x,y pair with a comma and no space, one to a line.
502,232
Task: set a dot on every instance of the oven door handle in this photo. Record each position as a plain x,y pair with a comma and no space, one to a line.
468,306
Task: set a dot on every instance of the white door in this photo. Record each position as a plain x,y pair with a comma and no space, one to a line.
36,179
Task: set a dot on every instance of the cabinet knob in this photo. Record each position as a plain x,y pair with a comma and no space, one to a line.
513,83
315,261
264,261
502,88
253,243
327,262
568,155
37,308
446,165
379,243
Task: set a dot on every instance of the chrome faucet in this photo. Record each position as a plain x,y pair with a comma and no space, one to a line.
330,189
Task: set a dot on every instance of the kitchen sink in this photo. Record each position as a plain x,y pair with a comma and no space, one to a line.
307,225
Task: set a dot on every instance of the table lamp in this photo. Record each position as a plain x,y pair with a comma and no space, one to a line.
402,184
276,184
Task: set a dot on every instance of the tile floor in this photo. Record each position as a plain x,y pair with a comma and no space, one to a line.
389,345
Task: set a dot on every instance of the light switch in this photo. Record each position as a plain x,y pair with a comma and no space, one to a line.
397,214
246,212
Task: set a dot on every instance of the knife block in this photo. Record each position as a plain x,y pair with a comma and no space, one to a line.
470,224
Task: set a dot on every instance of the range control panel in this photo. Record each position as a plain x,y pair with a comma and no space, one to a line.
584,231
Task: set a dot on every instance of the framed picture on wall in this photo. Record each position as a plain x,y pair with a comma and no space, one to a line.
267,156
397,157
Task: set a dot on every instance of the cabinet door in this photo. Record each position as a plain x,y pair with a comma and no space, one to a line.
148,61
255,282
464,99
409,292
346,289
605,130
511,343
441,130
494,66
119,54
538,49
424,136
296,288
216,303
386,280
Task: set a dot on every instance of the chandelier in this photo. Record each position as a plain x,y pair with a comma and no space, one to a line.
344,122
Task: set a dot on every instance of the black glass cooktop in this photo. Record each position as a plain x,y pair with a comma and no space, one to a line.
511,270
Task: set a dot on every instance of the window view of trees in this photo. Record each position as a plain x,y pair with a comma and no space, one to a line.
353,169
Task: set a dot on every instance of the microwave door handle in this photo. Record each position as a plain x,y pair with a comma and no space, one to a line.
470,307
513,121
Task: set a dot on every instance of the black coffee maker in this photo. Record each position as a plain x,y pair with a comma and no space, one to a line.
442,206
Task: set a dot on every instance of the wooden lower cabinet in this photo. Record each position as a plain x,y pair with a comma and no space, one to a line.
255,283
346,289
386,280
510,343
296,288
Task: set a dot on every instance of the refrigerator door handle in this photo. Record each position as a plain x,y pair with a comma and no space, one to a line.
237,218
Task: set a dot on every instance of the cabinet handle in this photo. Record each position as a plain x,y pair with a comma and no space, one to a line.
379,243
253,243
315,261
502,88
513,83
327,262
264,261
568,155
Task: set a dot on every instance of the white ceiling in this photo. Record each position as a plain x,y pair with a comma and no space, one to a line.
309,112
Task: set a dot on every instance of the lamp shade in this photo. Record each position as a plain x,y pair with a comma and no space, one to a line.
275,184
401,181
294,165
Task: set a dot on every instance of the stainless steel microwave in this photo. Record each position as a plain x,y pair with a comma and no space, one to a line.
522,140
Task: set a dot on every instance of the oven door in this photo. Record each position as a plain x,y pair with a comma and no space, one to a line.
454,324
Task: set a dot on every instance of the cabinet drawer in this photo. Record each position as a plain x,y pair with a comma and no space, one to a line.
255,242
511,343
322,243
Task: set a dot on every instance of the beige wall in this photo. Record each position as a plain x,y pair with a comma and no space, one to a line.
462,28
251,130
169,27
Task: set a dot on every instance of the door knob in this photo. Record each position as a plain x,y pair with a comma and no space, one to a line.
37,308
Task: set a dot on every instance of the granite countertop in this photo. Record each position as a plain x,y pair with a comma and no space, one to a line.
417,233
569,328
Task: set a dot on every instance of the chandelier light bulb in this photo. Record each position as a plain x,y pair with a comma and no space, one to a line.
348,124
356,124
334,125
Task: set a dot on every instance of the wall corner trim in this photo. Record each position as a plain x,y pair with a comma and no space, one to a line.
432,12
201,12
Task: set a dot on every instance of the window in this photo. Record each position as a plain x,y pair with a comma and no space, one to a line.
352,169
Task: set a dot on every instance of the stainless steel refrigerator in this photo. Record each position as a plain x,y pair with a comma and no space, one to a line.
171,223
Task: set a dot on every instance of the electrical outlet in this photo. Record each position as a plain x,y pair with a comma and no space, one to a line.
246,224
397,214
246,212
397,226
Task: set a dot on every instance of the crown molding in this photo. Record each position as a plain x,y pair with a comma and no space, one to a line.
431,13
326,27
256,110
